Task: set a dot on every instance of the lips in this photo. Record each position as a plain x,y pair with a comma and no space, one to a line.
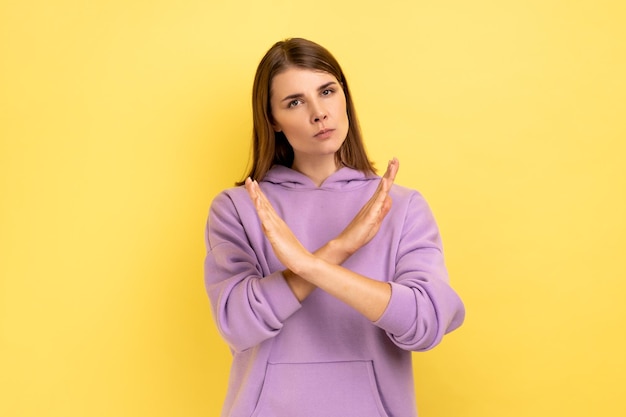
324,133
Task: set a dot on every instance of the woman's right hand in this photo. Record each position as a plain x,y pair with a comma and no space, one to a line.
367,221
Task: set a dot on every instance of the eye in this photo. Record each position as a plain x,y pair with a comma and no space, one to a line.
328,92
294,103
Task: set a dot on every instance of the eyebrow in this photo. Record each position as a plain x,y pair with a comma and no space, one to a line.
299,95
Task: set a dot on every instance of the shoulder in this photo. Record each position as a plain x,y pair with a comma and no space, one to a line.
403,194
229,197
231,217
232,202
411,205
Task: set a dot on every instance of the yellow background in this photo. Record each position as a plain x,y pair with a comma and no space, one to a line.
121,120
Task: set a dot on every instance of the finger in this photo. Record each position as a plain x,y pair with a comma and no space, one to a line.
255,194
260,193
263,200
249,184
254,191
382,184
392,169
386,207
390,175
268,215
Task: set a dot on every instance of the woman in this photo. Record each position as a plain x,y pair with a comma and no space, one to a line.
322,276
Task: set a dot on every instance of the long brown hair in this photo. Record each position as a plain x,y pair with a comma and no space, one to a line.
270,147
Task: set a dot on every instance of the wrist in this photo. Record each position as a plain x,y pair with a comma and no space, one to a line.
339,250
299,286
301,265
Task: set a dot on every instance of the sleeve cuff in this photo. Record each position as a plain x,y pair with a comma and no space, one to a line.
279,296
400,313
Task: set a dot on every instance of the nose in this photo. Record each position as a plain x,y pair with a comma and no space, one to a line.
320,117
318,113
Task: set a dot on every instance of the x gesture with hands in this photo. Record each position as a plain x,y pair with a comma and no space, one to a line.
368,296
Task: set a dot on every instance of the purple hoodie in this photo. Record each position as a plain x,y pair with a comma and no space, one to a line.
320,358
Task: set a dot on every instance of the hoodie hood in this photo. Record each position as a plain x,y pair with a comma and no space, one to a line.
343,179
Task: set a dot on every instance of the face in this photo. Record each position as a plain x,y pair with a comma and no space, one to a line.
309,107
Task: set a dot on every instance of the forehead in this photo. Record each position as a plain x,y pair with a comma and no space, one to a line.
298,80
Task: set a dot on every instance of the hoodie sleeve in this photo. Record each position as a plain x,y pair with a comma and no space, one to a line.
247,306
423,307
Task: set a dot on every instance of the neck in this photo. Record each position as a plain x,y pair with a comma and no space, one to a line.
316,170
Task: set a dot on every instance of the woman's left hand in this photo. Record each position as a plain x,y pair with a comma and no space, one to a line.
287,247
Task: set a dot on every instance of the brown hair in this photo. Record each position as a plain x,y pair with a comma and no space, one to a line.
270,147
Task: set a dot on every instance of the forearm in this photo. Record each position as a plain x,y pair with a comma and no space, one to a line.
332,252
367,296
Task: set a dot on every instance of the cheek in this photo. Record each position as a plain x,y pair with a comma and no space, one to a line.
343,111
286,125
343,108
296,119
